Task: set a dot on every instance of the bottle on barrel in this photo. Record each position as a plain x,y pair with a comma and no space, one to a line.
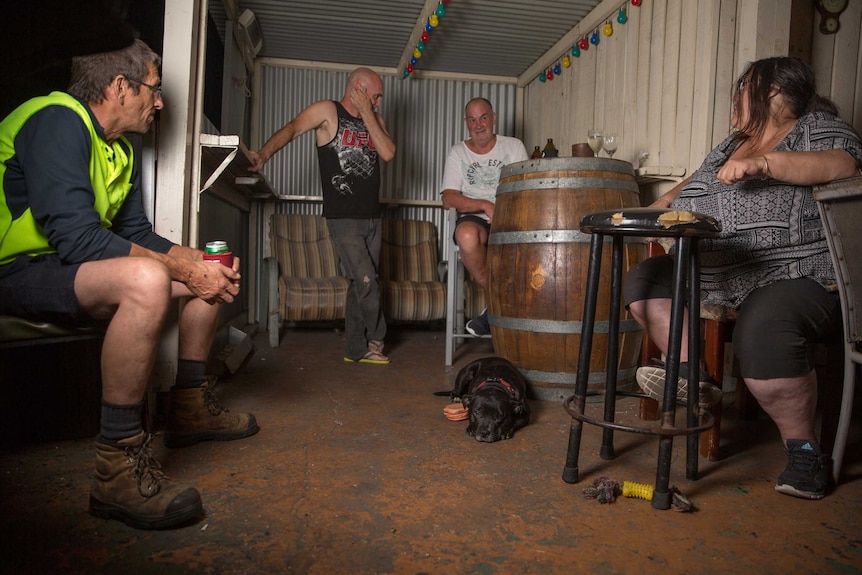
218,251
537,153
550,150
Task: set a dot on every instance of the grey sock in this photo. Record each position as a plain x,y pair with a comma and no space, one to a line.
120,421
190,373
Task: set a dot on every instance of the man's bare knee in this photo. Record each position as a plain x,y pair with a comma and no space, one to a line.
105,285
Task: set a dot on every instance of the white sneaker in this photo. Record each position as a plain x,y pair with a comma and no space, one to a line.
651,380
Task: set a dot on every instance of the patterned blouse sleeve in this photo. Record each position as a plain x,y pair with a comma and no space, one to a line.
823,131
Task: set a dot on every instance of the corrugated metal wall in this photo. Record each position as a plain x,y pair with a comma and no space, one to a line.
424,115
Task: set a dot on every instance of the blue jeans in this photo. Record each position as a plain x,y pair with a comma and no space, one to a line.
358,245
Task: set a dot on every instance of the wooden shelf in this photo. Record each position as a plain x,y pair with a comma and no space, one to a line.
225,171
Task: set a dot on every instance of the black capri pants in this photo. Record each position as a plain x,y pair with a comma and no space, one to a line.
777,326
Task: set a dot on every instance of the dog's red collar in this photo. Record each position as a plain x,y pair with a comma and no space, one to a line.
497,380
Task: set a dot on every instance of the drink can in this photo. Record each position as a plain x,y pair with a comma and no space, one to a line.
216,247
219,252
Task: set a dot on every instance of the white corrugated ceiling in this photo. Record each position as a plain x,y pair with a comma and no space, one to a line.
477,37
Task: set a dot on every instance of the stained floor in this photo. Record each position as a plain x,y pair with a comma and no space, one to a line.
355,470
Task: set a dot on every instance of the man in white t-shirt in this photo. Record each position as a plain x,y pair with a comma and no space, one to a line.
470,186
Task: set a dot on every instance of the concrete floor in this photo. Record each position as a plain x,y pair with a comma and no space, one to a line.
356,470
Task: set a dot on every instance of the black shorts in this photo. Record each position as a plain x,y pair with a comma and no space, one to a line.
471,218
777,324
43,289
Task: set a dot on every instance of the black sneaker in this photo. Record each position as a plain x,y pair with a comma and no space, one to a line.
808,473
478,326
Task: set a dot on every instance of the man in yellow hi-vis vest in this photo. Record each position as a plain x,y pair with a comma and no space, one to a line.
76,248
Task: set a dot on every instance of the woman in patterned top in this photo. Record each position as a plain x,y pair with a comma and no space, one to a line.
771,262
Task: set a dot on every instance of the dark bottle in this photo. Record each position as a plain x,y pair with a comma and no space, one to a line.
537,153
550,150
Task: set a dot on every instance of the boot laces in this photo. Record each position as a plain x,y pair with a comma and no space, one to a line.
211,402
146,471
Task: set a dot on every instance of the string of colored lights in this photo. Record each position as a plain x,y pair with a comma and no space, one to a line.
421,45
585,42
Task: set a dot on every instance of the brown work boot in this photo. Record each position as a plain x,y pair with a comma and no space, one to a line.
129,486
196,415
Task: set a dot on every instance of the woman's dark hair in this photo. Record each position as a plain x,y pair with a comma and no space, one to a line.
793,77
92,73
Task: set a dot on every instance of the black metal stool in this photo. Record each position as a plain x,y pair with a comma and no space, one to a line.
687,228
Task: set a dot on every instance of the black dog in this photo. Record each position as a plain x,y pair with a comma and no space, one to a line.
495,395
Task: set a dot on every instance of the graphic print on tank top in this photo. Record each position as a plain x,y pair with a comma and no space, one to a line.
356,154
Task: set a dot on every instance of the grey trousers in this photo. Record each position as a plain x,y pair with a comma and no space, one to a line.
358,244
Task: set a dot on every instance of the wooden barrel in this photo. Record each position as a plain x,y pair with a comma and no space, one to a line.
537,270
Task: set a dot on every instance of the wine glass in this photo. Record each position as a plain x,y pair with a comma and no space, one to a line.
594,139
609,143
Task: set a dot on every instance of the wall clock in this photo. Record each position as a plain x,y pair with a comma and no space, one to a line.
830,10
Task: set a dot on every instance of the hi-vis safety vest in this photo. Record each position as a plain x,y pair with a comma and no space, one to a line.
110,168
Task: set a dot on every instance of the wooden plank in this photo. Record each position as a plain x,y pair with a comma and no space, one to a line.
670,82
565,132
822,50
588,88
802,16
643,19
688,65
600,55
724,74
746,35
629,56
772,28
612,65
857,90
656,82
846,61
704,89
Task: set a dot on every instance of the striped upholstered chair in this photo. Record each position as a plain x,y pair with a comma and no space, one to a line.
305,283
412,290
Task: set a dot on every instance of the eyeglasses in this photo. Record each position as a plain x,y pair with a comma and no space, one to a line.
742,83
157,89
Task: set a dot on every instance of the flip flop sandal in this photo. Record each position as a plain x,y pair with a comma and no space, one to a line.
376,346
370,357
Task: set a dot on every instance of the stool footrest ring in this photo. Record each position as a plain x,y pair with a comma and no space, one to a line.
706,418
